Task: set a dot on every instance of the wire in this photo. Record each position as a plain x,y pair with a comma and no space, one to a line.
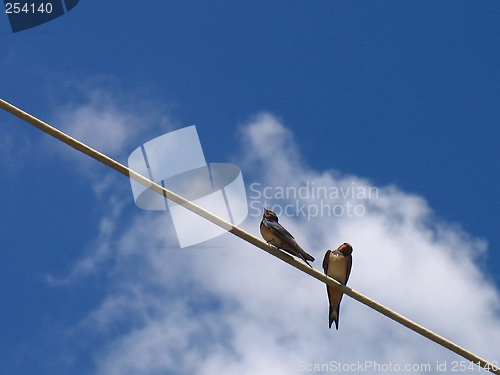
246,236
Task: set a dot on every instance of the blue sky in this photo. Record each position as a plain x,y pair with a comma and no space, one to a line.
401,96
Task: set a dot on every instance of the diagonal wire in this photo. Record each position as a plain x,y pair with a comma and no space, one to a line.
82,147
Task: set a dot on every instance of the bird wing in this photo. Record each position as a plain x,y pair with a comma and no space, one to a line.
325,261
277,228
349,266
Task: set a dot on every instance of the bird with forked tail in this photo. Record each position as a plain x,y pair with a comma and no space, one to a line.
337,264
276,235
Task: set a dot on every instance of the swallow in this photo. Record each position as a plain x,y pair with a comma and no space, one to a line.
276,235
337,264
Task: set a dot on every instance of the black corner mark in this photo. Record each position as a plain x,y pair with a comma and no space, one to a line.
24,15
27,14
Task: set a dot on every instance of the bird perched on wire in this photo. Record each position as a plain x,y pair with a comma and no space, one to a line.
337,264
276,235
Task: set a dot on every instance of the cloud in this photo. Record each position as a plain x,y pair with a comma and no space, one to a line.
105,121
227,307
100,114
108,121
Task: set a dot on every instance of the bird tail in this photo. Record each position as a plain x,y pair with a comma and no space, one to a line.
306,261
294,248
306,257
333,317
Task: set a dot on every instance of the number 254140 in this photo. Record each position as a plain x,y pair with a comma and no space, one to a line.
17,8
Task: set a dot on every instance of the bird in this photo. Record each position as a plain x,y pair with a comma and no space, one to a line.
337,264
276,235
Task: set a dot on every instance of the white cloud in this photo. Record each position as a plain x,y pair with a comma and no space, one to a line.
100,123
227,307
109,121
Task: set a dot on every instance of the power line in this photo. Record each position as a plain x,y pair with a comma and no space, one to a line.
82,147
